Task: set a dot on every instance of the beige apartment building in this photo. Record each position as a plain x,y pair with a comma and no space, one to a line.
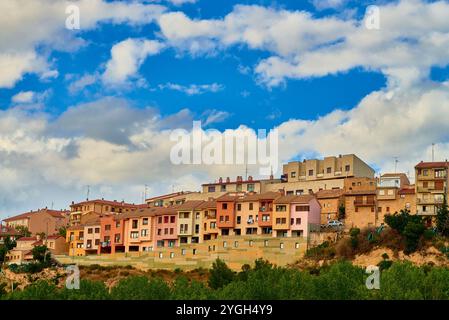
394,193
92,236
330,201
175,198
189,221
40,221
223,186
311,176
431,181
209,229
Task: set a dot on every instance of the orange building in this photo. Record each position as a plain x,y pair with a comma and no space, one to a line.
226,206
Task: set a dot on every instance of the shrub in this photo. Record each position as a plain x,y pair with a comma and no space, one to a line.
429,234
412,233
220,274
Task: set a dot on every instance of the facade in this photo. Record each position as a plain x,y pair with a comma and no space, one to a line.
330,201
361,209
208,211
8,232
226,212
189,222
139,229
22,253
296,216
92,236
431,181
40,221
111,233
165,230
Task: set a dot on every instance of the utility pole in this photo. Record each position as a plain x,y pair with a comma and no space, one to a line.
246,171
395,164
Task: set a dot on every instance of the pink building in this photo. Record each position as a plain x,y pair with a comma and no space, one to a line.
165,230
296,215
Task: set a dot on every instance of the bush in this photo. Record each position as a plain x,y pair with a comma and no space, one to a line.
140,288
428,234
412,233
220,274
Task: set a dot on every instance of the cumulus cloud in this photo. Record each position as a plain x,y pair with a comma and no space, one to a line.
413,37
126,58
193,89
23,97
328,4
46,19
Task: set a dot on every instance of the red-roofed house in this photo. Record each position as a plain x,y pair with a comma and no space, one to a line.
41,221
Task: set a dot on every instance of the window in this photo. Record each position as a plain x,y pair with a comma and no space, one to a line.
381,192
298,220
197,215
97,242
236,244
293,174
388,209
172,219
250,187
390,192
347,168
213,225
225,244
281,208
310,172
226,218
239,187
265,243
424,208
159,220
440,173
329,170
184,215
145,221
90,231
116,237
299,192
265,217
239,207
302,208
425,184
159,232
117,224
425,172
144,232
89,243
135,223
97,230
171,230
223,188
224,206
134,234
281,245
292,221
251,206
107,227
211,189
239,219
379,209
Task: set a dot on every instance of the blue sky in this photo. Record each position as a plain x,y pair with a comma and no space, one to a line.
93,106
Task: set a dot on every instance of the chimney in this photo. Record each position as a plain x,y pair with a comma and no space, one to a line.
250,178
220,180
228,180
239,178
282,192
271,177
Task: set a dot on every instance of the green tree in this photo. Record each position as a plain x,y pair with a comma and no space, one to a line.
412,232
220,274
41,254
442,218
62,231
24,232
140,288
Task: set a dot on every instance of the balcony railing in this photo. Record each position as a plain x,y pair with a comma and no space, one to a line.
364,202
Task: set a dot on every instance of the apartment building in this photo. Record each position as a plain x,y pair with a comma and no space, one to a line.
166,227
224,186
265,214
330,201
75,239
91,242
247,215
431,181
361,208
139,229
295,216
189,221
40,221
111,233
82,211
226,212
394,193
175,198
208,210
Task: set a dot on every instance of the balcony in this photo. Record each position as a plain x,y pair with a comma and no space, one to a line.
429,201
337,173
364,203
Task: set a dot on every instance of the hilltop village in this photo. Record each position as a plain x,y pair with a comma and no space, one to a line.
335,193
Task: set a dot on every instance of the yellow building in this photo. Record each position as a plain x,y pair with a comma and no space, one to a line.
75,239
189,222
431,185
209,229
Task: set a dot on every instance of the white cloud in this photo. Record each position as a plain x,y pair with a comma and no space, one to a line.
126,58
193,89
215,116
181,2
413,37
23,97
26,25
83,82
328,4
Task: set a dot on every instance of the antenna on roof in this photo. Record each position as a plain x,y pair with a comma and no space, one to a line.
146,189
395,164
433,152
52,203
88,192
246,171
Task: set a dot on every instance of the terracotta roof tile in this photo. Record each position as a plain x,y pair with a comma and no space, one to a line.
294,199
